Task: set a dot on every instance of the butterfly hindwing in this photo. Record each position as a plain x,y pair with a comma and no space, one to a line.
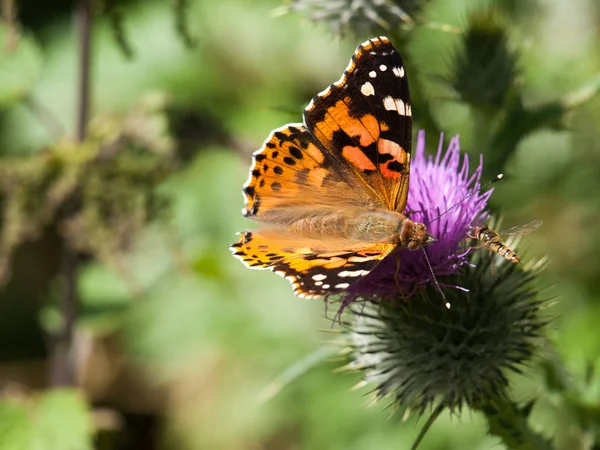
313,270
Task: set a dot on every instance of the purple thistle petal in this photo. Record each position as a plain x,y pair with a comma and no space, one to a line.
436,185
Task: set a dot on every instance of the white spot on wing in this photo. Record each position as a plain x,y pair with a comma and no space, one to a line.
359,259
326,286
367,89
360,51
319,277
398,71
353,273
395,104
372,74
342,285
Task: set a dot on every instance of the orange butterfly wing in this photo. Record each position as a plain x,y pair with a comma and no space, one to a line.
352,154
314,268
291,171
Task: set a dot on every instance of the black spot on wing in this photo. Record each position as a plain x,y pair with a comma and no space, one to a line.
396,166
295,152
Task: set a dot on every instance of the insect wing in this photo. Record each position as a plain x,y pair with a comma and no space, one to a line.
522,230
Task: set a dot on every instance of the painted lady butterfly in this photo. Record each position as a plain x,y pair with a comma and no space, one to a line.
330,192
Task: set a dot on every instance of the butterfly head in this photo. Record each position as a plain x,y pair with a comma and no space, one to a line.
419,237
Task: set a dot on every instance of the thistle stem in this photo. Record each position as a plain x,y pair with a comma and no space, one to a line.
509,422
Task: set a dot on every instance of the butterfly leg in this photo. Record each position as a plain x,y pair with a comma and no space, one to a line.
326,308
412,211
397,281
396,274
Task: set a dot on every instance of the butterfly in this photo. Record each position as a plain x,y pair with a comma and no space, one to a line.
493,239
330,193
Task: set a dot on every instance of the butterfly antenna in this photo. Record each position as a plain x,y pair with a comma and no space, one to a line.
439,288
497,178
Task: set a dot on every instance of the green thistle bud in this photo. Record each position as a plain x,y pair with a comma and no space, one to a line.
425,356
486,67
361,17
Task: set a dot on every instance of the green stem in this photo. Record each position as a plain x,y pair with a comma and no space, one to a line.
509,422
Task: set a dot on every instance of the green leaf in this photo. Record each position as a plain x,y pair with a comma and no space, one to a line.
15,428
20,65
56,420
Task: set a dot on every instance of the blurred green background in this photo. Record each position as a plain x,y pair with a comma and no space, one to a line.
175,341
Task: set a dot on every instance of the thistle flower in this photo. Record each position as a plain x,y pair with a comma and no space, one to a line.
417,351
421,351
443,196
426,357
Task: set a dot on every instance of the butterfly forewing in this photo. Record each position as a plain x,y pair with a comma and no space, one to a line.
365,121
291,172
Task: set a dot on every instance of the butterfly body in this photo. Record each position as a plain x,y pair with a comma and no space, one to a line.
361,225
330,192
